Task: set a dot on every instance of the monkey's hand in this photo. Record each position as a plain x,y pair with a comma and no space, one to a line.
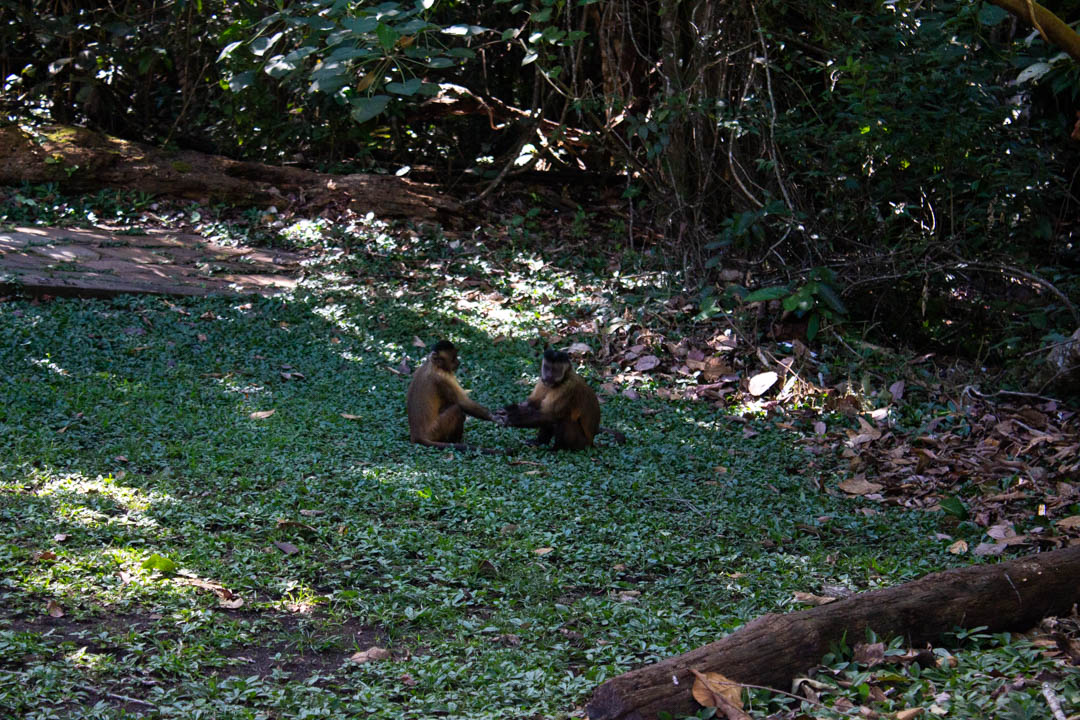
501,417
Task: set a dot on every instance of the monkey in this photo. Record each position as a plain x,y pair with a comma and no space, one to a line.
437,404
561,406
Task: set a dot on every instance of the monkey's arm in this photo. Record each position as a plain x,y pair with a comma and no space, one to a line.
457,395
525,415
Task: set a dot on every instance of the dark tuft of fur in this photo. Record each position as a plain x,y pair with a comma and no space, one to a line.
444,346
556,356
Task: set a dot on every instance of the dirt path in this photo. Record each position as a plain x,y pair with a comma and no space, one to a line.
101,263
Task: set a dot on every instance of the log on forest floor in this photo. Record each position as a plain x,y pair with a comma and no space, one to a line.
774,649
81,160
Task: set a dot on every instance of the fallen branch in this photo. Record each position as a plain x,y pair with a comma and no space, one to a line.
774,649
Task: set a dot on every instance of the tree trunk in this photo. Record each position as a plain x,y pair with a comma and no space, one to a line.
80,160
774,649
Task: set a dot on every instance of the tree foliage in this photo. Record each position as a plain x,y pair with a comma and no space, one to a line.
900,140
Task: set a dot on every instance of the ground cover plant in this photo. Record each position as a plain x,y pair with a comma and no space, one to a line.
211,507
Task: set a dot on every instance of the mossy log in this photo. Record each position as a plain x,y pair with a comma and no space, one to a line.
774,649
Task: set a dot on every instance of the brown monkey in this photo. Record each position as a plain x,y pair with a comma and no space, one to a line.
437,404
562,406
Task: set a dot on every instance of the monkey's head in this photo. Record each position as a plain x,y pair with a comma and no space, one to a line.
444,356
554,368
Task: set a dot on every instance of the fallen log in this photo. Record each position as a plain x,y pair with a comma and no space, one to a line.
81,160
774,649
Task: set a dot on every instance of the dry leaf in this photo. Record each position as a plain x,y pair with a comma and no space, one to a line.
261,414
60,537
45,555
542,551
859,485
417,342
579,348
372,654
762,382
201,337
54,610
646,363
959,547
811,599
819,428
286,547
869,654
715,690
407,680
311,513
897,390
909,714
983,549
347,416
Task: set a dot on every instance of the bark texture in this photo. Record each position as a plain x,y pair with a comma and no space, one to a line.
774,649
80,160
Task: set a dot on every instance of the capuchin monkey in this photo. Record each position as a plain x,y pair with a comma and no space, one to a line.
437,404
561,406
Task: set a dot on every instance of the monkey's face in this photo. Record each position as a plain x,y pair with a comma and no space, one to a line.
552,374
447,361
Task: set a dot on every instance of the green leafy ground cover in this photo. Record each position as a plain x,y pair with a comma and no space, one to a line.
503,587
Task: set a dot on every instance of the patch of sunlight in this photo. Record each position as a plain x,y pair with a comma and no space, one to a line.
90,661
230,384
306,232
48,364
134,501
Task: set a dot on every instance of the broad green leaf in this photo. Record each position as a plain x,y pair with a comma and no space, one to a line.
770,293
991,14
228,50
366,108
162,564
388,37
409,87
361,26
953,506
260,45
242,80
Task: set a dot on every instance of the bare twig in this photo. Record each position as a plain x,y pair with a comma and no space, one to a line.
1052,701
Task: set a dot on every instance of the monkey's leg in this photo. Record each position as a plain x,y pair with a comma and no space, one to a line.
450,425
570,436
543,436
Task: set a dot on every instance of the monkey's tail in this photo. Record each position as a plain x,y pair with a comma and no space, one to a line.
619,437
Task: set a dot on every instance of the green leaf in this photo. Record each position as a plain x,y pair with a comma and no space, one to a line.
829,296
409,87
953,506
361,26
775,292
462,30
387,35
242,80
260,45
228,50
813,326
991,14
366,108
161,564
